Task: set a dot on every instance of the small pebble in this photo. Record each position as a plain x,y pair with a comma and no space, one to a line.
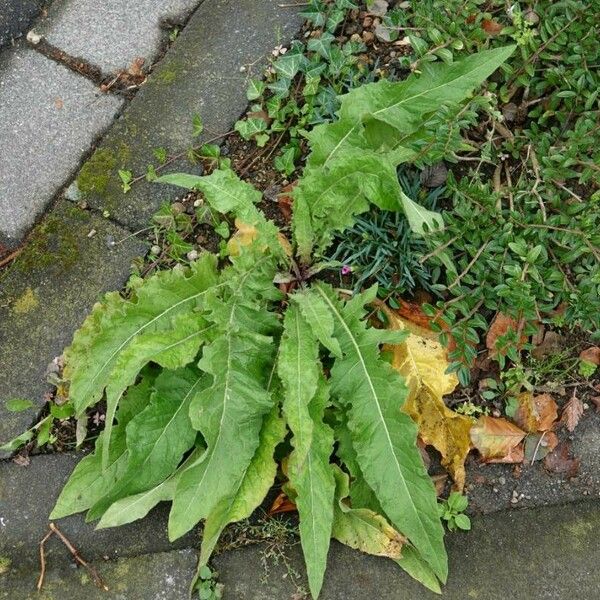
192,255
34,38
177,208
502,480
198,202
110,241
92,233
155,250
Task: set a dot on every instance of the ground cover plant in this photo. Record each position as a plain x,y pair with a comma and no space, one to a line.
207,369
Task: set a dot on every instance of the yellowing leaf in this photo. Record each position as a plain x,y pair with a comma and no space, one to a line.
422,360
361,528
246,234
495,438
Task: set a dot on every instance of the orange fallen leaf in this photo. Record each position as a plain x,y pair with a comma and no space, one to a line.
495,437
58,103
572,413
491,27
501,325
591,355
282,504
535,413
560,462
136,67
516,455
285,201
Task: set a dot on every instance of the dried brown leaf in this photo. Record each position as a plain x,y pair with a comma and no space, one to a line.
500,326
572,412
591,355
491,27
535,413
495,438
560,462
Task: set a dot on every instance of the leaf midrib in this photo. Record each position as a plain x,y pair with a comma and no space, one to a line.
395,105
376,400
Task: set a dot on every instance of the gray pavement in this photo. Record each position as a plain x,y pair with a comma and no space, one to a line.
49,118
46,294
549,553
205,72
16,17
113,33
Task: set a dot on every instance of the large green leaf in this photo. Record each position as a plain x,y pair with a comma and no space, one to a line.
309,472
158,436
383,437
89,481
132,508
230,412
226,193
253,485
116,323
334,195
403,105
318,316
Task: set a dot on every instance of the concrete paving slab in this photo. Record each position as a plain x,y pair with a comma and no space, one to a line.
201,73
542,554
46,294
113,33
164,576
49,118
15,18
27,496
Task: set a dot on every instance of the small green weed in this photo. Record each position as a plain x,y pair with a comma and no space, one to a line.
452,511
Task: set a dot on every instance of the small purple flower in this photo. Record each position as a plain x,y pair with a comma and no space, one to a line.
346,270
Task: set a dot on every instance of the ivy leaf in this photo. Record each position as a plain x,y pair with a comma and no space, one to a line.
256,89
309,472
321,45
383,437
285,163
289,64
248,128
